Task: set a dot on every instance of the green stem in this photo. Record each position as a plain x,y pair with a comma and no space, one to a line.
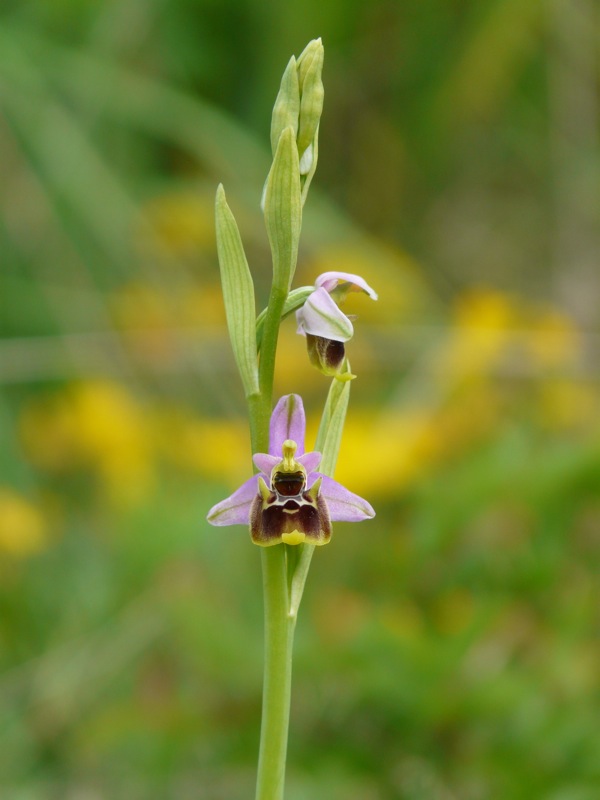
279,625
259,413
279,639
266,368
294,300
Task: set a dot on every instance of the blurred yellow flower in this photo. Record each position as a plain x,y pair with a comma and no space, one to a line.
201,307
467,416
484,323
158,324
553,340
386,453
22,526
204,446
386,456
488,325
94,425
183,222
142,306
293,366
113,433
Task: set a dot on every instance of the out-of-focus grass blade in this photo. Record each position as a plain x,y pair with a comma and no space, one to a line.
479,80
77,178
100,85
224,148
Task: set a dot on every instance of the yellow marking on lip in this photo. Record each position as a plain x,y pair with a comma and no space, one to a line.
294,537
264,490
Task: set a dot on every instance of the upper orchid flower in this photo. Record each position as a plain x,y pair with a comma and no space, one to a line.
325,326
289,501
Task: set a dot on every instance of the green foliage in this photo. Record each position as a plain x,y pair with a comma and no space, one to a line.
238,293
283,210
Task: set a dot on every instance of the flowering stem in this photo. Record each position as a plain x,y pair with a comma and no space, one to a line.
294,142
279,626
268,349
279,638
259,413
297,112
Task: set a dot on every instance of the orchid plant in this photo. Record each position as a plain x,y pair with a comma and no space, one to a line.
291,500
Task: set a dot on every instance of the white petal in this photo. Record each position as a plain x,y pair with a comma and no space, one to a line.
322,317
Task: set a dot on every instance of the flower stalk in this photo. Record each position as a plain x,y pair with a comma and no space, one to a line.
277,676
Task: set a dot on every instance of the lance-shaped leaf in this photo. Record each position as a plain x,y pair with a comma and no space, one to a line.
238,293
283,210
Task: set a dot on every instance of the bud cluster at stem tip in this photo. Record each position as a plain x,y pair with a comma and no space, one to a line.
299,104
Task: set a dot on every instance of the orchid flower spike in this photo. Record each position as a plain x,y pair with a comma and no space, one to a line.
289,501
324,324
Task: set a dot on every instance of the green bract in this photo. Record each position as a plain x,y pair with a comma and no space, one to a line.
331,428
283,210
238,293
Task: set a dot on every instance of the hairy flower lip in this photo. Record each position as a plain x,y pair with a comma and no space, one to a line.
288,422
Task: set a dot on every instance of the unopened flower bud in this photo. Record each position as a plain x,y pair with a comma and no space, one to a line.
310,68
286,111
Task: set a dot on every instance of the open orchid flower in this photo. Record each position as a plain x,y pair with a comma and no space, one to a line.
324,324
288,500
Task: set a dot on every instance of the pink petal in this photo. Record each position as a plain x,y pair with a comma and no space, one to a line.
288,421
329,280
310,461
266,463
343,505
235,509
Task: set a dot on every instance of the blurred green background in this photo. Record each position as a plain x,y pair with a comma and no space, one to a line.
448,649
